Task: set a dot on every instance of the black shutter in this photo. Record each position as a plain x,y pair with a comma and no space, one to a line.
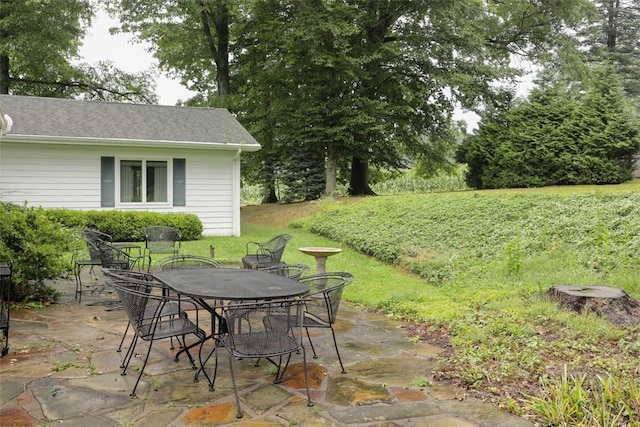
179,182
107,182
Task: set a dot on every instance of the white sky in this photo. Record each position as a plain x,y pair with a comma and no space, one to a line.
99,45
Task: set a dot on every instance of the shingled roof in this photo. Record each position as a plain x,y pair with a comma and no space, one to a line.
38,119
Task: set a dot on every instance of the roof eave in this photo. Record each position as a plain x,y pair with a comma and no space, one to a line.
59,140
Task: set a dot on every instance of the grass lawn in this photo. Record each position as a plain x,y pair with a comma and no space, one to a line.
471,270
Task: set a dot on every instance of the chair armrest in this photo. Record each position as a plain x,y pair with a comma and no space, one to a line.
157,292
134,260
257,250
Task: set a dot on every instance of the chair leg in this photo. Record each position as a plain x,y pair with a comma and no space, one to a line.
92,271
129,355
281,370
335,344
123,337
315,356
212,381
77,271
306,376
235,388
144,364
186,350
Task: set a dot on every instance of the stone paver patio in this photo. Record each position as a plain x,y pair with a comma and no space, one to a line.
62,369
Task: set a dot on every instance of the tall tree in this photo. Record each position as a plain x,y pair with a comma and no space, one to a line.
189,38
294,58
619,41
365,83
38,41
561,135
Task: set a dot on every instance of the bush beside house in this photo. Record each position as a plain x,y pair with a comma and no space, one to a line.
127,226
38,241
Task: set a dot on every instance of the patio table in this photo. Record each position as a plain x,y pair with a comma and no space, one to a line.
211,287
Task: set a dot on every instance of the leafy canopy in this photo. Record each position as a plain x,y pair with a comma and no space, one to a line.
39,41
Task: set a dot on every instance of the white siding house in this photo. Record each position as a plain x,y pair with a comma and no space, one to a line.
84,155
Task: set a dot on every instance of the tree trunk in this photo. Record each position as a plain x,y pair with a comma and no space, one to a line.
611,303
222,62
359,182
218,44
611,29
270,196
331,171
4,75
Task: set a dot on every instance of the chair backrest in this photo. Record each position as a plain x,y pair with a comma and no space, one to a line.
275,247
262,329
91,237
93,234
135,296
162,239
323,303
127,275
187,261
110,256
292,271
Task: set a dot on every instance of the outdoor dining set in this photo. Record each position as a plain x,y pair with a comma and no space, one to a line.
261,311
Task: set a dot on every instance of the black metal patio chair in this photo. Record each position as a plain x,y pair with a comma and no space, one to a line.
113,257
321,307
104,253
160,239
144,304
187,261
92,261
270,330
292,271
263,254
172,308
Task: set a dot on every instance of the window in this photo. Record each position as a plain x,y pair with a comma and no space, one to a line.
143,181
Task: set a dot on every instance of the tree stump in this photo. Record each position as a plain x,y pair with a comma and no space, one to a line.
614,304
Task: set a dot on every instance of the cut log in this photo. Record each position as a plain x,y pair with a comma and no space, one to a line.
613,304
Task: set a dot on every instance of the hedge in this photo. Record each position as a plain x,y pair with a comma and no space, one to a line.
127,226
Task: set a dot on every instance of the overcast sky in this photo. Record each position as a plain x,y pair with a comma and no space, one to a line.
99,45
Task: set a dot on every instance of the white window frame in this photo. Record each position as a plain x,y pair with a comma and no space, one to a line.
144,160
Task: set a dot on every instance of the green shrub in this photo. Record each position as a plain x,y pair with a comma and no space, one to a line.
411,183
37,247
560,136
127,226
572,400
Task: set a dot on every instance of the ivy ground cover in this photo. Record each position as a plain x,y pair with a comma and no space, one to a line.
487,261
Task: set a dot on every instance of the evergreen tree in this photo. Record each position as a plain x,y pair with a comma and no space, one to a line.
559,136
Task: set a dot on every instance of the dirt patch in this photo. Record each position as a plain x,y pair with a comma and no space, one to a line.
281,214
437,336
277,215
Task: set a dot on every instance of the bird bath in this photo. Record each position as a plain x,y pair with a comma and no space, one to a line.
320,254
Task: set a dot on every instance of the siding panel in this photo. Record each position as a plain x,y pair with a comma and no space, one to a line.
68,176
